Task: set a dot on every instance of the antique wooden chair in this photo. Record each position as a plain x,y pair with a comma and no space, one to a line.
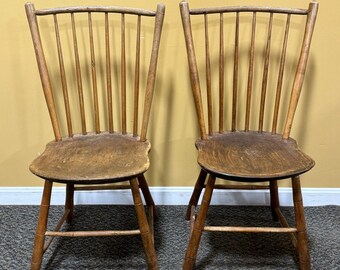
97,66
246,137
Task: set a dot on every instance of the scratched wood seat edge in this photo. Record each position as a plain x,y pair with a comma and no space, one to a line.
71,160
252,156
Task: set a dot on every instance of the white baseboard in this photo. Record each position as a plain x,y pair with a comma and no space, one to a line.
168,196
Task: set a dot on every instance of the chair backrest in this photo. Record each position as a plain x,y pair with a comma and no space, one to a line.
95,64
253,59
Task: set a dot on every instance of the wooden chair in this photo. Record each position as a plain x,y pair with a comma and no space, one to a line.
246,137
97,68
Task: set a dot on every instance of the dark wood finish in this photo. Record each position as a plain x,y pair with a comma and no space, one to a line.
196,192
101,149
274,198
261,150
69,202
252,156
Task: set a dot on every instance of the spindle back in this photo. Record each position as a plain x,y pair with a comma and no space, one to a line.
97,66
253,61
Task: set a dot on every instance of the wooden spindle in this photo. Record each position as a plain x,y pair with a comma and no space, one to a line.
208,73
108,73
221,75
235,76
250,72
94,76
79,77
137,74
63,77
123,74
280,78
265,74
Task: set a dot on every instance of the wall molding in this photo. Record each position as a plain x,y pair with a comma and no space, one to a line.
169,196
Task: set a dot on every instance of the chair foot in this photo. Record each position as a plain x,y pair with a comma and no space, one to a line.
39,239
144,227
196,193
191,253
302,247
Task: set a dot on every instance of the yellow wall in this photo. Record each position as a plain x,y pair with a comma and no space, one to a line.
25,126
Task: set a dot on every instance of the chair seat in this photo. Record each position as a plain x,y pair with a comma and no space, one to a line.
252,156
93,158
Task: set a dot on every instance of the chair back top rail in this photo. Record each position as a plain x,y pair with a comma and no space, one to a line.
227,9
98,70
109,9
223,58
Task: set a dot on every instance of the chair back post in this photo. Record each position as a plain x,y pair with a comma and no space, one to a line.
43,71
301,67
150,84
195,83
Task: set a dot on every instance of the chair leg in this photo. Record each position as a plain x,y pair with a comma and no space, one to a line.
274,198
41,227
149,248
69,203
191,253
196,193
304,258
147,195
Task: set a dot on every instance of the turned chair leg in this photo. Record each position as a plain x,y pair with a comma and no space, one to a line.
145,231
274,198
147,196
39,239
69,203
196,193
195,238
304,258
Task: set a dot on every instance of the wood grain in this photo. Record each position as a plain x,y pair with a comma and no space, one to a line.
93,159
252,156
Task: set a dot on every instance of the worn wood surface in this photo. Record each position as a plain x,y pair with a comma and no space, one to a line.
252,156
93,159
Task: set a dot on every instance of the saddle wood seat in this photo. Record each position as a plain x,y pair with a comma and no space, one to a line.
116,157
253,155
